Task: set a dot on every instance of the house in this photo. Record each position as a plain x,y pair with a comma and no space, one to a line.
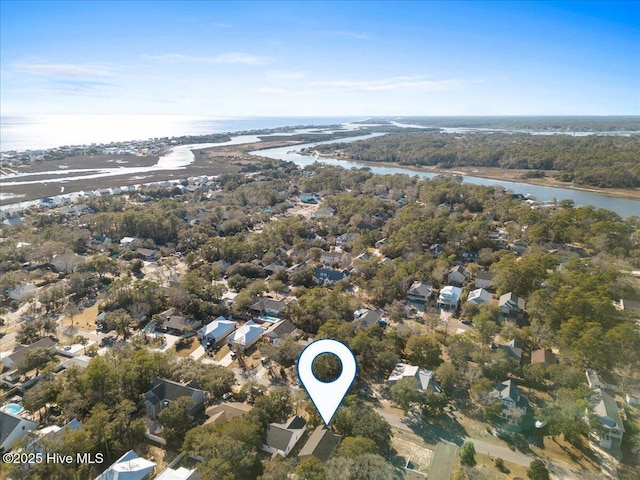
101,240
163,392
178,324
363,257
449,297
66,262
268,306
282,437
366,318
519,246
631,306
275,267
458,275
216,331
149,254
543,356
329,276
277,332
420,292
346,239
180,473
320,445
610,431
50,434
436,250
323,213
23,292
12,429
128,242
80,361
309,199
470,255
479,296
329,258
245,336
510,396
595,380
484,279
225,411
423,377
129,467
20,351
511,307
513,349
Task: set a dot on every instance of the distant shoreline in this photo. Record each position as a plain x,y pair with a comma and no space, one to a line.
222,159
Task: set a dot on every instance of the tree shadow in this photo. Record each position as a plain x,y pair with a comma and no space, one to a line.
443,427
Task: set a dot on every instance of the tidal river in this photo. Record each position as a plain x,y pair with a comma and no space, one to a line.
623,207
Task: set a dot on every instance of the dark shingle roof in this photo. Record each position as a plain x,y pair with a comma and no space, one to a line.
321,445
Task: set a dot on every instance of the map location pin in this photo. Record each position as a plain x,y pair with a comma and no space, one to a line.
327,396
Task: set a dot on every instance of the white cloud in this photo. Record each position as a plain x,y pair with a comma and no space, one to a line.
395,84
61,70
228,58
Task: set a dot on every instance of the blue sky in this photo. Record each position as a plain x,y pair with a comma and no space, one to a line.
320,58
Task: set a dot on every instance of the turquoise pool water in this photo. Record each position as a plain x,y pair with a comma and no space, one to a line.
12,408
267,318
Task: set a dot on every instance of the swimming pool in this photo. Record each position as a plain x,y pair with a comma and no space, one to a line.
12,408
267,318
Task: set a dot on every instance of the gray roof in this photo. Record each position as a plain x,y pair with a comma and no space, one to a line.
331,275
279,434
321,444
180,323
607,409
280,329
18,355
484,275
512,300
8,423
167,390
268,304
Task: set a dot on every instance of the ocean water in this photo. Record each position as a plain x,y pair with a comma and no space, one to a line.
35,132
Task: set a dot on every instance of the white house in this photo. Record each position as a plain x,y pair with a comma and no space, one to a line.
180,473
449,297
282,437
424,378
610,431
479,296
216,331
12,429
245,336
130,467
128,241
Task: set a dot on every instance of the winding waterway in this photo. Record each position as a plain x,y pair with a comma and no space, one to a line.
622,206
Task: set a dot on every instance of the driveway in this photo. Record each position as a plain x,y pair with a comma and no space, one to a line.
443,459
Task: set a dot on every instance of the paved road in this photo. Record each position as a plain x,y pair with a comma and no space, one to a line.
559,470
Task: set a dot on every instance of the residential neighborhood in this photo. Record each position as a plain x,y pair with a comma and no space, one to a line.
166,324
